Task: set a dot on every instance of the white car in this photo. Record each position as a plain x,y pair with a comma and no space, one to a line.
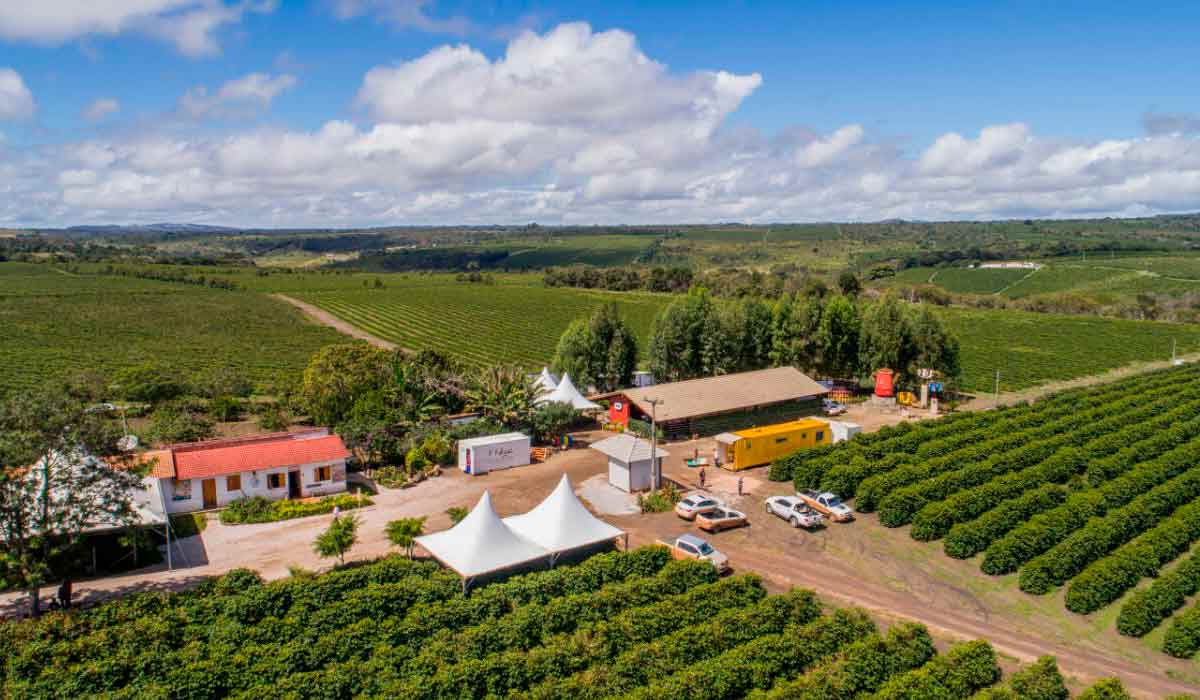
696,504
832,408
795,511
692,547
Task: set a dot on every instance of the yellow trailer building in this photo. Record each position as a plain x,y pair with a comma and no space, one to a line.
757,446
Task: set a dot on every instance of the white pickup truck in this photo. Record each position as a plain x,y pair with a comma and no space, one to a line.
795,511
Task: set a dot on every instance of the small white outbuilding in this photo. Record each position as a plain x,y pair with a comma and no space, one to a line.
629,466
491,452
841,431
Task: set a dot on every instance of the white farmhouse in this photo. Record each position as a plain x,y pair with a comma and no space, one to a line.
204,475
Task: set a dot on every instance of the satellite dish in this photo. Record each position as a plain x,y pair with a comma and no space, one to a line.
127,443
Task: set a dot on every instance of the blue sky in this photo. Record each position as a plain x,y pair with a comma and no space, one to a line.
1065,87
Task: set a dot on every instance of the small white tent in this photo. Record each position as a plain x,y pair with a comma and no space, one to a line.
566,393
546,382
481,543
561,522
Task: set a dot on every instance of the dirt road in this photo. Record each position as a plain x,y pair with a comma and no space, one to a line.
325,318
985,401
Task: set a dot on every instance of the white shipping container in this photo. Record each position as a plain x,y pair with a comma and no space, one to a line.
841,430
484,454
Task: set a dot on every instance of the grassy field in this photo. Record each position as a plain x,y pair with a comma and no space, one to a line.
55,324
512,322
66,322
1102,278
1092,495
1032,348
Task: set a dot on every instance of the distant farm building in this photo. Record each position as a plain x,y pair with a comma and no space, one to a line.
210,474
716,404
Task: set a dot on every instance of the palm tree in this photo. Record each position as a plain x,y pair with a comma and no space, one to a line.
404,532
504,394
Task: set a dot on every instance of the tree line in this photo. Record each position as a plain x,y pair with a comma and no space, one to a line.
698,335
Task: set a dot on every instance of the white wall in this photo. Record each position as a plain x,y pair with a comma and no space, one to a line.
631,478
255,484
618,475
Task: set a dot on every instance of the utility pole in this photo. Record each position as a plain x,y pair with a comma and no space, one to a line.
996,394
655,467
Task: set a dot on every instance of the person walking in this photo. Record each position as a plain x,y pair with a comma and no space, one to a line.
701,477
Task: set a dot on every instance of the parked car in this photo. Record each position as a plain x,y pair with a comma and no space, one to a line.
827,504
794,510
693,547
832,408
721,519
696,503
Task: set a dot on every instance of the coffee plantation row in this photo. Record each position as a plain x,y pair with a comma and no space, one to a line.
1094,489
618,625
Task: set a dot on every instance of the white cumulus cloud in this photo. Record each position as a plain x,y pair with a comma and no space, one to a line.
101,108
16,101
574,126
190,25
244,96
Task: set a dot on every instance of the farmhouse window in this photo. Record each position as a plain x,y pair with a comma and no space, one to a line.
324,473
274,481
820,435
233,483
780,440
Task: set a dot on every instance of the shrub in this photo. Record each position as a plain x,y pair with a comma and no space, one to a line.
757,663
1107,689
1102,535
1108,579
963,670
965,540
1046,530
416,460
1147,608
257,509
659,501
862,667
1183,636
1040,681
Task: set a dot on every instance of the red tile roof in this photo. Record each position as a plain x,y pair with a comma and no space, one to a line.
163,462
218,457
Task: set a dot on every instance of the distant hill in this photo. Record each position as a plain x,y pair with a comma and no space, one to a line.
142,229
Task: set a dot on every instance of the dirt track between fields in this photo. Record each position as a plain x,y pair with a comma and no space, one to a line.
861,564
327,319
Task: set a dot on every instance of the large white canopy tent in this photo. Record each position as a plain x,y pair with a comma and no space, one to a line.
562,523
566,393
483,543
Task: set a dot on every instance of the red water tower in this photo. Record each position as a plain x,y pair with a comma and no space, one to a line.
883,383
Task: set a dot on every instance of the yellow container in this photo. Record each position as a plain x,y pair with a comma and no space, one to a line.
754,447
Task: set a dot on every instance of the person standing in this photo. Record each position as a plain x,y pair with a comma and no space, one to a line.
701,477
739,485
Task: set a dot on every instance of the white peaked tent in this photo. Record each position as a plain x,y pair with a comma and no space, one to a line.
546,382
481,543
566,393
561,522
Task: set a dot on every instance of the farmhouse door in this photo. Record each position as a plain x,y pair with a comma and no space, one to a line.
209,488
294,485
